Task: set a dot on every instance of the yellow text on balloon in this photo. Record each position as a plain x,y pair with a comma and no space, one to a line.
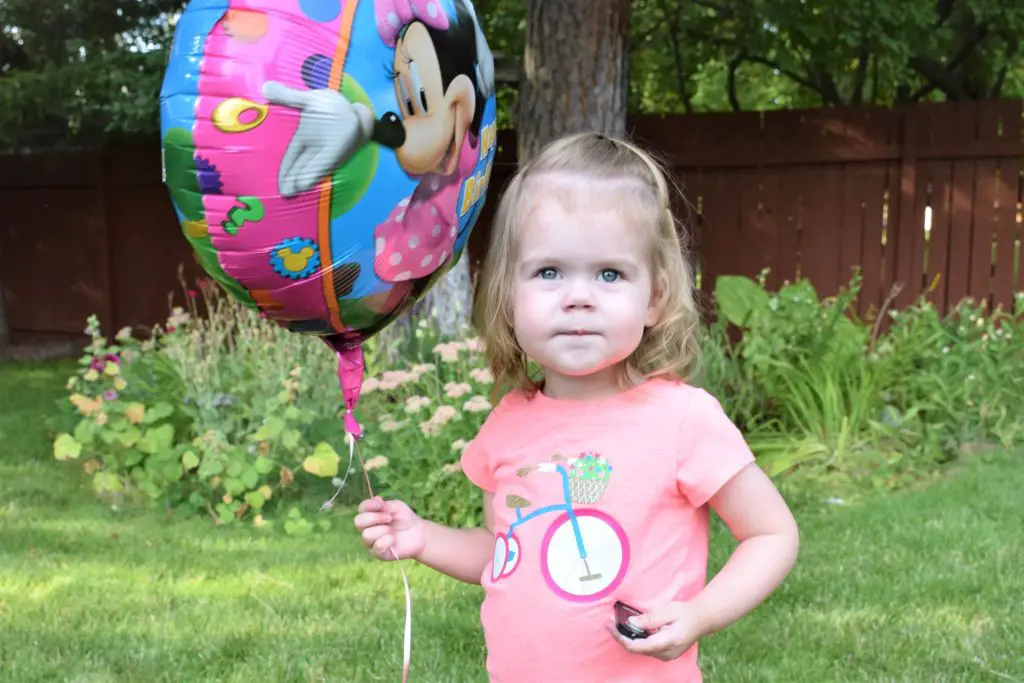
476,185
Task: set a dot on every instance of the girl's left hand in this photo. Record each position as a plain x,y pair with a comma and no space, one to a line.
676,627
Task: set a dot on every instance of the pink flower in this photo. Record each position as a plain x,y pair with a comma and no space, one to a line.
192,294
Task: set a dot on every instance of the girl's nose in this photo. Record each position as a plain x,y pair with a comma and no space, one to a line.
578,294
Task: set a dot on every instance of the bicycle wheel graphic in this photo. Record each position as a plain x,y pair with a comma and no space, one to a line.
584,580
506,556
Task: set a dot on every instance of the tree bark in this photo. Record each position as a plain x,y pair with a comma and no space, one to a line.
575,71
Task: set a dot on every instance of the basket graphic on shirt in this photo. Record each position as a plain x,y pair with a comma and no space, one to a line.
585,553
588,478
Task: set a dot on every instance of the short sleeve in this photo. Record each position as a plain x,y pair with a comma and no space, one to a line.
712,449
477,465
477,461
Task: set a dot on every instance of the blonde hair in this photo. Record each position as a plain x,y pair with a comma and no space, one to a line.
669,347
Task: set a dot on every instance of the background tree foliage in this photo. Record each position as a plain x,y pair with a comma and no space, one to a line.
73,69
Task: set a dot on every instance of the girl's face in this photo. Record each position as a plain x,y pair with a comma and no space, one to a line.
583,289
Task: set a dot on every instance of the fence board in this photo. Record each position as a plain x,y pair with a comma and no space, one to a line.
872,248
788,223
935,186
819,243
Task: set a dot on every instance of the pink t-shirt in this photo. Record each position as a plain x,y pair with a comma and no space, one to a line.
638,468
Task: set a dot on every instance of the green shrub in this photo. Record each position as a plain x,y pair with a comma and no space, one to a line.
225,414
231,416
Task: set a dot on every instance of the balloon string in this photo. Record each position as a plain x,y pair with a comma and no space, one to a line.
354,452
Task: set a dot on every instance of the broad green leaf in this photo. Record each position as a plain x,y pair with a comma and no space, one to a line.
156,439
129,436
263,465
210,468
85,432
189,460
173,471
255,499
250,478
107,482
157,412
291,438
323,462
65,447
740,299
234,486
225,513
272,427
132,457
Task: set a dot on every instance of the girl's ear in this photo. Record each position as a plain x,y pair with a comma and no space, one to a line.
656,305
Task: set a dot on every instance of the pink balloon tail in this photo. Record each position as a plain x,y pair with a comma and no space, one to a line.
350,375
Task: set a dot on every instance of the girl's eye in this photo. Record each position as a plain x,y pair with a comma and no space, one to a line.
610,275
547,273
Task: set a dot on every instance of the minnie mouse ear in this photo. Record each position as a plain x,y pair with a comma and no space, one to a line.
484,58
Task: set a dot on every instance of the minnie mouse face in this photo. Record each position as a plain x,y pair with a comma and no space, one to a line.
436,114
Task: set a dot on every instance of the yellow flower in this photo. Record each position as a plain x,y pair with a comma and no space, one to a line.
120,384
86,406
101,419
135,412
111,369
124,334
258,521
91,375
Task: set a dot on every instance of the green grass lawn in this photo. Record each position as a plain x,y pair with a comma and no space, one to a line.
923,585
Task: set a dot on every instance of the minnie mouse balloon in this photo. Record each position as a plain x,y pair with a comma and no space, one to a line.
328,159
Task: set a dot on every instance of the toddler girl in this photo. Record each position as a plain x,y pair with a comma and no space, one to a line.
597,476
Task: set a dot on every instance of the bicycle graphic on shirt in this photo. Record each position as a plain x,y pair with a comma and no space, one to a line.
584,553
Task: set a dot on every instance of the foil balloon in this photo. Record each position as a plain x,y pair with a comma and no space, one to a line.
328,159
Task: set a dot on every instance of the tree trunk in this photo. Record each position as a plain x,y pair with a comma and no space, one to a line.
446,307
575,71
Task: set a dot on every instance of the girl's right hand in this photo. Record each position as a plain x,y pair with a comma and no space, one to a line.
387,526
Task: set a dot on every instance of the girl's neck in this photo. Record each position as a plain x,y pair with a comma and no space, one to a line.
595,386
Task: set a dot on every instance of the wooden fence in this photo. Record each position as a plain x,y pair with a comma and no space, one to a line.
913,195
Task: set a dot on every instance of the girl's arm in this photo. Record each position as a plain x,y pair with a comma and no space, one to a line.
460,553
768,539
760,520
